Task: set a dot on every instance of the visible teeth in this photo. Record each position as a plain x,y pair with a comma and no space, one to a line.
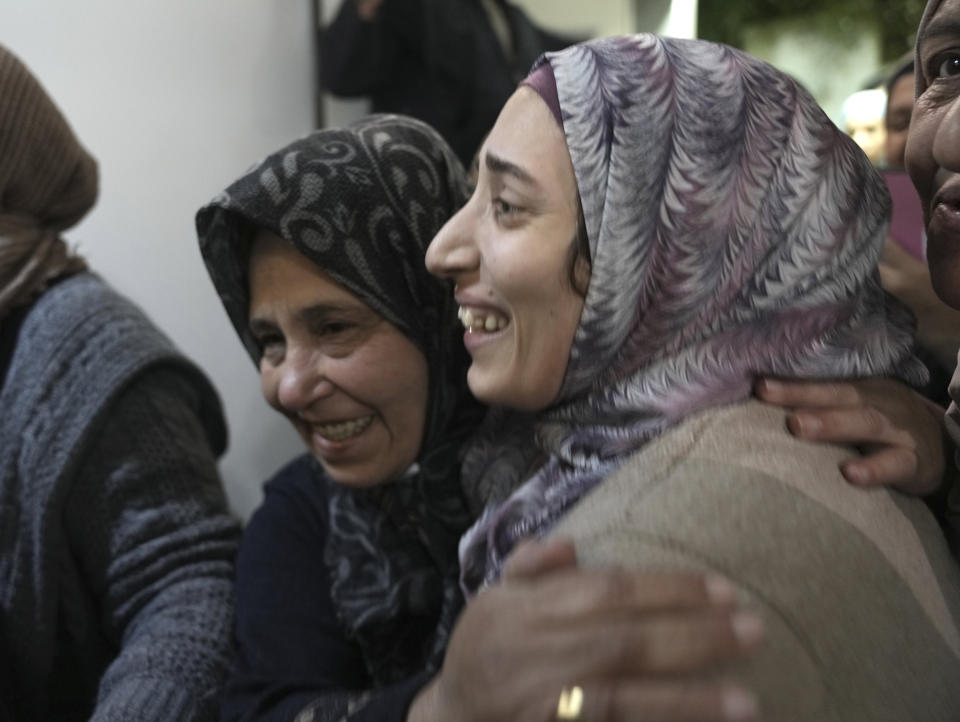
344,429
475,321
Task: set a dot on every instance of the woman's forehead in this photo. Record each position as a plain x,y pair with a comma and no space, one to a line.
945,21
526,143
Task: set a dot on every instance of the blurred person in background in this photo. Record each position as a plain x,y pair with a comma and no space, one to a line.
450,63
896,117
863,121
116,548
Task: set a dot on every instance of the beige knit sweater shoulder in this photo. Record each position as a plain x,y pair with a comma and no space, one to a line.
859,594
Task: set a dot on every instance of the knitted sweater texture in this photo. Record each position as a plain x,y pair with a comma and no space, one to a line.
116,547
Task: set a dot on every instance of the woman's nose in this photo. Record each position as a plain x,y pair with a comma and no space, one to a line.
453,250
302,381
946,144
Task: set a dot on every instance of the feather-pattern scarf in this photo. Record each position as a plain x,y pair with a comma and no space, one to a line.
734,232
363,203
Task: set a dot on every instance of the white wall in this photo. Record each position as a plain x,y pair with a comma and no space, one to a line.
176,98
598,18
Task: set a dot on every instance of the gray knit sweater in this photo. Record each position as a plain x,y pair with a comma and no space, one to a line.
116,548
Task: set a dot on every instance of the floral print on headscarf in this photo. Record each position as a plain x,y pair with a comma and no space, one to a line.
363,203
734,232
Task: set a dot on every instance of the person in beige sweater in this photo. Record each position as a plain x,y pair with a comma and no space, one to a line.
656,223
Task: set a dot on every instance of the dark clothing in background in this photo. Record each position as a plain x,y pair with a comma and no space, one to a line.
293,653
436,60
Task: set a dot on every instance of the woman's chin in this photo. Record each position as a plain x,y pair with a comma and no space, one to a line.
354,476
360,461
501,387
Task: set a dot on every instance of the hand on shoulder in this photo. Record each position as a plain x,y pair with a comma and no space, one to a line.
628,640
900,433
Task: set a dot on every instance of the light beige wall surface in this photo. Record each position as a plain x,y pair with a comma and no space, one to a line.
677,18
176,98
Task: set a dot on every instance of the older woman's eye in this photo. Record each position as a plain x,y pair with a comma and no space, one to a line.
947,65
333,328
271,347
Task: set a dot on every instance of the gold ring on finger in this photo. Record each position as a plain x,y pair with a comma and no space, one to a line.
570,704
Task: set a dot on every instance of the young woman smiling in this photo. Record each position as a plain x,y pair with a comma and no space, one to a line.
733,232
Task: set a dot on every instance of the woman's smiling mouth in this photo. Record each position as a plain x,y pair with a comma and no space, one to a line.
477,320
343,430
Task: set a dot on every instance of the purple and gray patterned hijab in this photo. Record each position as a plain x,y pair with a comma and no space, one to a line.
734,232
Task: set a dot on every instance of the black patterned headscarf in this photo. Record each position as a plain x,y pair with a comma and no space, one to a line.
734,231
363,203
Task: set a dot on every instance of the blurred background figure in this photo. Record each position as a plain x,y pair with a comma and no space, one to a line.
878,116
899,107
863,121
451,63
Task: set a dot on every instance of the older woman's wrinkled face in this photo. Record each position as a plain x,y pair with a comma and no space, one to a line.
509,252
353,385
933,148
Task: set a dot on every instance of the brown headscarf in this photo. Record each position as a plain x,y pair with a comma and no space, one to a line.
48,182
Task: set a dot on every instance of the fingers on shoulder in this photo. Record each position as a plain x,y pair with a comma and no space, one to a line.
667,701
853,424
807,394
606,592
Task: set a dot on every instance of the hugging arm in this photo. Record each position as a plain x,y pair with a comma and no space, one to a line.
294,662
629,638
148,525
901,433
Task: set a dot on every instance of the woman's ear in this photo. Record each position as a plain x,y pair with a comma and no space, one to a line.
581,275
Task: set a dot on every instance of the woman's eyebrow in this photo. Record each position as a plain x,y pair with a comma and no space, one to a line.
260,326
496,164
322,311
314,314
